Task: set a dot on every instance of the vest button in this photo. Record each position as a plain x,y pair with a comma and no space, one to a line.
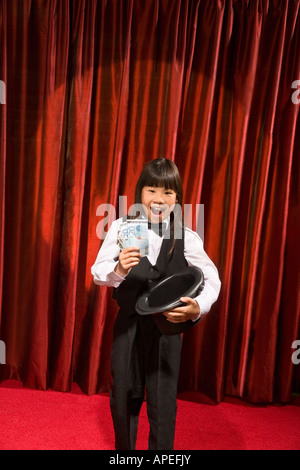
151,270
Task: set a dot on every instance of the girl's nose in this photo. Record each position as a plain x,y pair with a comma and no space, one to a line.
158,200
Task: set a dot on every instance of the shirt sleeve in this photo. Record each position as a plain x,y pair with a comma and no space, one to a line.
103,270
196,256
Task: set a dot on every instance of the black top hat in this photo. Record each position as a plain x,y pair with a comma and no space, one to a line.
165,295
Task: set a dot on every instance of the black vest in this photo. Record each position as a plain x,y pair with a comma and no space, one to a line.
140,279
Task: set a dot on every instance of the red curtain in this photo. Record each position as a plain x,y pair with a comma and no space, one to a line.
94,90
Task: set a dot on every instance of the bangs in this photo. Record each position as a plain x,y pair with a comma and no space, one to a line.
161,181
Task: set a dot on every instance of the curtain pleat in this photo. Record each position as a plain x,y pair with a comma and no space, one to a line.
94,90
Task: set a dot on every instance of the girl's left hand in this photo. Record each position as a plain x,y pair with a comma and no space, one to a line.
185,313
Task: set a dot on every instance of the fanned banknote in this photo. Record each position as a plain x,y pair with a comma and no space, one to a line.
134,233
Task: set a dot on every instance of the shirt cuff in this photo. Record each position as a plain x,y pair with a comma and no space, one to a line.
204,305
108,277
114,278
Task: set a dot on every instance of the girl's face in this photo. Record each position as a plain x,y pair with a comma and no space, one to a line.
158,202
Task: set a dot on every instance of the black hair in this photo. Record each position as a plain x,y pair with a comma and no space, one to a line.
159,173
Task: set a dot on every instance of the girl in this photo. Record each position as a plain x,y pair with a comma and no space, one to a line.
143,358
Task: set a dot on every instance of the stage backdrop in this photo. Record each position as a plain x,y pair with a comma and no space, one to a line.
93,91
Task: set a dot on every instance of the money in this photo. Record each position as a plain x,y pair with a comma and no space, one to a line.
134,233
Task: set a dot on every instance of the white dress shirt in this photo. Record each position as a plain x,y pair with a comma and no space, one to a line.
103,270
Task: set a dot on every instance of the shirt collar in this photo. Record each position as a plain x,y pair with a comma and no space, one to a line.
159,228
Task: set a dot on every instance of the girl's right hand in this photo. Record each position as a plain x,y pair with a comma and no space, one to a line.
128,258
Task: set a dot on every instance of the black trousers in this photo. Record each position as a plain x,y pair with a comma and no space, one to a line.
143,359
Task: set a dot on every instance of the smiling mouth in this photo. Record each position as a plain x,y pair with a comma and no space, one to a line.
157,211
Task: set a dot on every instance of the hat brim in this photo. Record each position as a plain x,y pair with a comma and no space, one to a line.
165,295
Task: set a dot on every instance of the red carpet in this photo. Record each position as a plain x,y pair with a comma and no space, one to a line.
49,420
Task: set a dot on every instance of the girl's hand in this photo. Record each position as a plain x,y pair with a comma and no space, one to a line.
128,258
185,313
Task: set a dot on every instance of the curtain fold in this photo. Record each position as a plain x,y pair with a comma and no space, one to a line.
94,90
